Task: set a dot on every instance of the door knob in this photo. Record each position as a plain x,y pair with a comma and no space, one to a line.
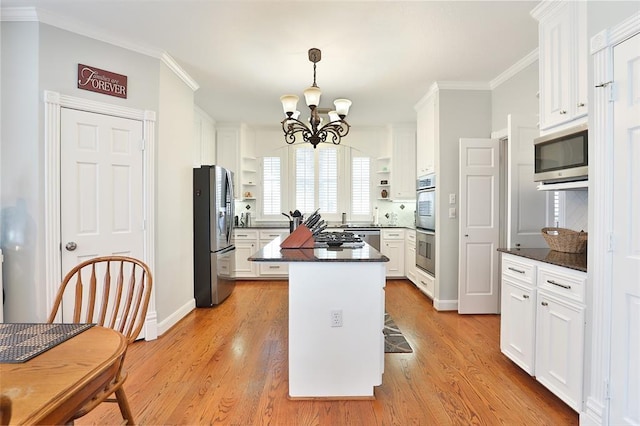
71,246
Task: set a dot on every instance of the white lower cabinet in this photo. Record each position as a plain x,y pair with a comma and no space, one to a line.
542,324
392,246
246,242
425,282
249,241
560,347
410,256
518,323
272,269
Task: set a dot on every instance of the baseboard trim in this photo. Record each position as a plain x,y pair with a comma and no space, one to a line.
173,319
445,305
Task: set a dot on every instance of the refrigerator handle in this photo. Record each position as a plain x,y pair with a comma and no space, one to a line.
232,207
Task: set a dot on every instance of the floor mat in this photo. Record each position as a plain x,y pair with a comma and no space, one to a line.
394,341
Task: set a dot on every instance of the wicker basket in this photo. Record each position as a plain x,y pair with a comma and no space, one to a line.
565,240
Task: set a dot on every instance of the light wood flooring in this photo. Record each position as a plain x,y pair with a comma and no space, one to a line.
228,365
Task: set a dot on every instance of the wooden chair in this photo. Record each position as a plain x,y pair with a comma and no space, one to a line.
5,410
119,301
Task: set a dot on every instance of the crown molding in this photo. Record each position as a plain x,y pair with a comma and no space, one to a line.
462,85
32,14
515,69
179,71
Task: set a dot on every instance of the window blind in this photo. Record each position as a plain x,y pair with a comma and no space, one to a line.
271,192
328,180
360,184
305,180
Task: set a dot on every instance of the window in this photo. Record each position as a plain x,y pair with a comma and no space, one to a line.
271,192
328,180
317,180
305,180
360,184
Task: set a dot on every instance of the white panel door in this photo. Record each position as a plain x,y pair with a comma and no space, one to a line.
479,280
625,333
527,207
101,187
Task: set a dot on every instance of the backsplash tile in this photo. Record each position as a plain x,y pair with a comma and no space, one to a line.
576,210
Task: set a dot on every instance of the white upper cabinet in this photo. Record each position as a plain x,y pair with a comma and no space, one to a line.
204,139
234,151
403,176
426,134
563,62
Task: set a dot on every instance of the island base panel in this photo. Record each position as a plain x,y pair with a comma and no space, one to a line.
335,362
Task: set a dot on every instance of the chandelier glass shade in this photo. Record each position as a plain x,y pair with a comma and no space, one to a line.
315,131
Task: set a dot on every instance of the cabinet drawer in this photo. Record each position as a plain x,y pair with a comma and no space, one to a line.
411,236
240,234
393,234
562,282
268,269
268,235
520,270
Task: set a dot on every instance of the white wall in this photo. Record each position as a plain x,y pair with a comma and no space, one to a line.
517,95
38,57
174,201
21,168
462,114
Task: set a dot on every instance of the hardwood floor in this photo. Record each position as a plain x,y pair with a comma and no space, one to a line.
228,365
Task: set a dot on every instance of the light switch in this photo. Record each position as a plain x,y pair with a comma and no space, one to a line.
452,213
452,198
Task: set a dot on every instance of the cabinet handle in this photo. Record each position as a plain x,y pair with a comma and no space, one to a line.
568,287
515,270
562,112
525,296
242,235
274,267
544,304
580,104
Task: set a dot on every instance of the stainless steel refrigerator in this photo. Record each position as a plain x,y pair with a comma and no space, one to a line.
213,249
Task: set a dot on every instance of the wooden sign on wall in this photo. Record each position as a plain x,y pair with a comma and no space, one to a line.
101,81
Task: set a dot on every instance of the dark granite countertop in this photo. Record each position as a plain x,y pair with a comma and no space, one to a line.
273,253
577,261
329,228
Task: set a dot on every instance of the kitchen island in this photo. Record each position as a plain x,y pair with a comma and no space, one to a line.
336,318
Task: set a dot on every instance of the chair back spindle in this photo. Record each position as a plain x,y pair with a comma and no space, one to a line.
120,302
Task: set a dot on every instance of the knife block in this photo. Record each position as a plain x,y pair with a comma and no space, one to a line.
300,238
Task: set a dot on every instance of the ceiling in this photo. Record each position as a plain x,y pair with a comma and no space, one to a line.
383,55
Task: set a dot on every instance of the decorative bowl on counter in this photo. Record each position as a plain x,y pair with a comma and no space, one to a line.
565,240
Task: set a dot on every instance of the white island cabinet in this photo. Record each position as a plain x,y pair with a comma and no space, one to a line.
336,320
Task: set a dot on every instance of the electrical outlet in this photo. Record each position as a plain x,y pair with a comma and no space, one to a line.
336,318
452,198
452,212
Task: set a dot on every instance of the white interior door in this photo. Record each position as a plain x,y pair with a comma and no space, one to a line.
625,330
478,280
527,207
101,189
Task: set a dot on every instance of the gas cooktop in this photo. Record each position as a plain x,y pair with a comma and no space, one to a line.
338,239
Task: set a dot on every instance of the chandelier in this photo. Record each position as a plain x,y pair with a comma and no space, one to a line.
315,132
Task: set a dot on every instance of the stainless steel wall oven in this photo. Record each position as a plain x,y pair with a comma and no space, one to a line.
425,251
426,224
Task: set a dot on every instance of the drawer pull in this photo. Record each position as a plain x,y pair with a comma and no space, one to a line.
568,287
274,267
525,296
242,235
544,304
515,270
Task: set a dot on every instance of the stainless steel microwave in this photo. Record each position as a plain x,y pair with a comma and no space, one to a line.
562,156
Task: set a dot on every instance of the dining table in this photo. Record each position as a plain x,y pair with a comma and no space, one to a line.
53,385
